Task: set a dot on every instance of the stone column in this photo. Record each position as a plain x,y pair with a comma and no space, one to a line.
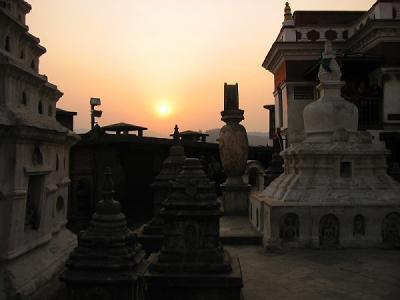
108,260
192,263
233,149
151,234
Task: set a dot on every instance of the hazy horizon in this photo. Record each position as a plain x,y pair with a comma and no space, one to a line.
157,63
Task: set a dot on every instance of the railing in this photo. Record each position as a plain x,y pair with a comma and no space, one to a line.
370,115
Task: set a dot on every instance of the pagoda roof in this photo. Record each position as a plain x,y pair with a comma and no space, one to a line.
123,127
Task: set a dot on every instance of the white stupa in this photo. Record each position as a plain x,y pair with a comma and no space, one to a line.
335,190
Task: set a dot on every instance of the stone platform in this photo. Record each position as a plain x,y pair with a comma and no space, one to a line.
200,286
237,230
368,274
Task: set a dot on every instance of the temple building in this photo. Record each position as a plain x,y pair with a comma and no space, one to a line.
367,44
34,155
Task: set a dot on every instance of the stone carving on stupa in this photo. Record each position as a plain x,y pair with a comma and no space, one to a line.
192,261
108,259
335,182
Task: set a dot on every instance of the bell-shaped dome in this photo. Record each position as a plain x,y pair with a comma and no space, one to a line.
331,112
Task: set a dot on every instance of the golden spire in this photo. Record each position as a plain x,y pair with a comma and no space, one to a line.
288,12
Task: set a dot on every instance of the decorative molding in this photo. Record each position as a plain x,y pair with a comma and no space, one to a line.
38,170
375,32
51,188
65,181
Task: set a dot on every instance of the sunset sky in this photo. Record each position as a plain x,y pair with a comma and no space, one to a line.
156,63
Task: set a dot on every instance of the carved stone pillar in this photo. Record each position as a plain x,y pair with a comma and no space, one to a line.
233,149
108,260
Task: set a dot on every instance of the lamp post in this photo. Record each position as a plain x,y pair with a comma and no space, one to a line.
94,113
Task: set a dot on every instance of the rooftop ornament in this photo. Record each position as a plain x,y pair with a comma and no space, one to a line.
288,12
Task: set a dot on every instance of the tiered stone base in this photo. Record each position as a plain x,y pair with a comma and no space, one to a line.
325,225
102,285
194,286
28,273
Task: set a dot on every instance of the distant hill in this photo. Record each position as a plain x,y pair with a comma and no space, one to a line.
255,138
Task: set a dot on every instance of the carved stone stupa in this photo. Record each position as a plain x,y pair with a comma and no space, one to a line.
335,190
192,263
108,260
151,235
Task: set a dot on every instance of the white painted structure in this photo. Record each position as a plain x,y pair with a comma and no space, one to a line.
34,160
335,191
368,37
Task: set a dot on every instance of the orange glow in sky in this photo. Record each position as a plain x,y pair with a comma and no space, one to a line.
164,109
132,53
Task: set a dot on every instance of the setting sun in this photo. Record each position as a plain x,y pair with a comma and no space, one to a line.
164,109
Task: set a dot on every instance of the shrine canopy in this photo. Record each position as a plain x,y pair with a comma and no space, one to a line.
124,128
193,136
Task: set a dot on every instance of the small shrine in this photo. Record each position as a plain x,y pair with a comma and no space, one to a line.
124,128
151,234
108,260
193,136
335,191
192,263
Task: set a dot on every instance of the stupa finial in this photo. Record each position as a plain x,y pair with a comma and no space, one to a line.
288,12
329,71
328,49
176,134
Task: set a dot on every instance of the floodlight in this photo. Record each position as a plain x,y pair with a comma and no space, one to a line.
95,101
97,113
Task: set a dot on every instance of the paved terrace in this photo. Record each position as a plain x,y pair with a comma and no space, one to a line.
371,274
319,274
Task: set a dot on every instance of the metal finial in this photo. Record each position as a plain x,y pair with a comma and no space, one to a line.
176,134
288,12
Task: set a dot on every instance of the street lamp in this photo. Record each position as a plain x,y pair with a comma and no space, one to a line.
94,113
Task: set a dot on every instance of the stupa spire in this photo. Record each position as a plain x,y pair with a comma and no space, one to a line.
176,134
330,112
329,70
